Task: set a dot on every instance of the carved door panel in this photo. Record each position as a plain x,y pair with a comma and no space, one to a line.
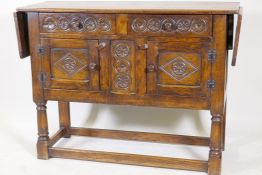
122,67
176,68
70,64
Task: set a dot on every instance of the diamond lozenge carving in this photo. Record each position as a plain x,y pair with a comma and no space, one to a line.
69,64
178,68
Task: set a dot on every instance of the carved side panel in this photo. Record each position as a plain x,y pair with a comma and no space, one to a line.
122,66
77,23
171,24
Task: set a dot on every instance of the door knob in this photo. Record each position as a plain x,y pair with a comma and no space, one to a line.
93,66
101,45
151,68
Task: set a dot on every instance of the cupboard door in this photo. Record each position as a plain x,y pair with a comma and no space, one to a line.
71,64
176,68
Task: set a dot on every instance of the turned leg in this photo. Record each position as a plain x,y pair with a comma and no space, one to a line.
64,117
215,154
223,130
43,138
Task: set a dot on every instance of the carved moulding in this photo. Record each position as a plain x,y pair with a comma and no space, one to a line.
170,24
76,23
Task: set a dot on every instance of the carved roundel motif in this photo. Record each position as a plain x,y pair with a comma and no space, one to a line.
183,25
77,24
179,67
199,25
139,25
90,24
50,23
154,25
104,24
64,23
69,64
122,81
122,66
122,50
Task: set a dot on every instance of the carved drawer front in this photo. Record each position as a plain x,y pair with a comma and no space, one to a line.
122,69
178,68
77,23
70,64
178,25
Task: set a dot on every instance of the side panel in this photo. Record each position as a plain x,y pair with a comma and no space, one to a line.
33,20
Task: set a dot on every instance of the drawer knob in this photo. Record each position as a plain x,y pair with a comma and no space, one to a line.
169,25
101,45
93,66
151,68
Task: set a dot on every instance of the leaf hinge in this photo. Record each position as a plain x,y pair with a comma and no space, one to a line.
211,84
42,78
41,50
212,55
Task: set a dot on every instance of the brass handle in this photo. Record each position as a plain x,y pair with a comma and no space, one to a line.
151,68
93,66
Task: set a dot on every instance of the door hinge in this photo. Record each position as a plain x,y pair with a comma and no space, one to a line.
42,77
41,50
211,84
212,55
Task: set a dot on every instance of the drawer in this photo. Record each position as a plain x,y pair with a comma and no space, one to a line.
176,25
77,23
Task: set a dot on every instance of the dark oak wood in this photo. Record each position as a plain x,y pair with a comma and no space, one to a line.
58,135
22,33
161,54
141,136
131,159
239,22
64,117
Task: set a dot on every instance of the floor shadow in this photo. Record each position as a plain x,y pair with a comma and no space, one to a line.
161,119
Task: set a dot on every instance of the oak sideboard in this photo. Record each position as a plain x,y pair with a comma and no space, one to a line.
161,54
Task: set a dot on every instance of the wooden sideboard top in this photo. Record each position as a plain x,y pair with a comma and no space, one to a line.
161,7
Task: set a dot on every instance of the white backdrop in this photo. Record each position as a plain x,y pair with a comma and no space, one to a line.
18,132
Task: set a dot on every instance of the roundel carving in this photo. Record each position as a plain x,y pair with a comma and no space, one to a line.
121,50
139,25
199,25
50,23
183,25
64,23
122,81
104,24
154,25
90,24
122,66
